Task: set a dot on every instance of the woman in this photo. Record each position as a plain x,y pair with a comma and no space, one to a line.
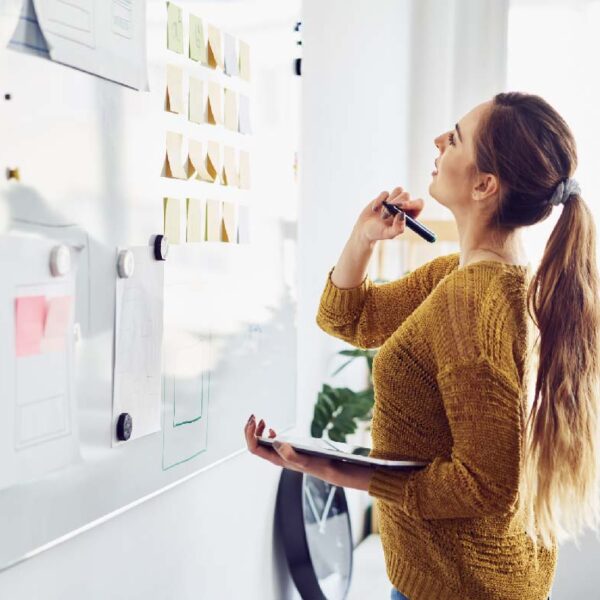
451,374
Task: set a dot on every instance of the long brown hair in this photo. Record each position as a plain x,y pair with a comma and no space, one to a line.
530,148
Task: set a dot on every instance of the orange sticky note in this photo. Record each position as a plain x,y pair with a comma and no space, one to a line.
215,55
174,95
30,316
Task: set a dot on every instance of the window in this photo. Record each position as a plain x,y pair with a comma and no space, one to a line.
557,59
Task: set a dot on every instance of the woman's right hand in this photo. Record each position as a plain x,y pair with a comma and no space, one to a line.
376,223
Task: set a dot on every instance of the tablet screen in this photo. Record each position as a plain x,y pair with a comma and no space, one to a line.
342,447
339,450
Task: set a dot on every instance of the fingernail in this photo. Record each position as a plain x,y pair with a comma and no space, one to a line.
250,419
261,423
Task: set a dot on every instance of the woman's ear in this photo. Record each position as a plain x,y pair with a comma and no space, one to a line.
486,187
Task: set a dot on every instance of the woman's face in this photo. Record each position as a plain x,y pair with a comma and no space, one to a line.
455,181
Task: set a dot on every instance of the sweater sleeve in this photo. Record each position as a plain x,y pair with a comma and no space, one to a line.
366,315
482,476
472,339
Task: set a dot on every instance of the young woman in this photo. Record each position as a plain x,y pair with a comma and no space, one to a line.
450,378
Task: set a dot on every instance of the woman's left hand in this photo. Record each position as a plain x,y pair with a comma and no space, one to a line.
283,455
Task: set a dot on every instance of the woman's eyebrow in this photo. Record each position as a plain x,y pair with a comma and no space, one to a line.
458,131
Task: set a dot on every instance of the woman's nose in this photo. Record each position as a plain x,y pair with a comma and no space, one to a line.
438,141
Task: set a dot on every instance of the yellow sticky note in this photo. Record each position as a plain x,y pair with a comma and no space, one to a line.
243,225
197,42
229,228
174,28
244,170
172,219
244,61
174,95
197,102
214,110
213,160
230,173
213,220
215,52
173,164
196,220
197,161
231,109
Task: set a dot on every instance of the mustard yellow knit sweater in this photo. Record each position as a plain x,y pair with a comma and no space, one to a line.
449,379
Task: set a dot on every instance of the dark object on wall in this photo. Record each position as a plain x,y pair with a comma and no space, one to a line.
313,521
161,247
298,60
124,427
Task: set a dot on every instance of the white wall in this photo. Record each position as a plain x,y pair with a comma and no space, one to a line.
210,538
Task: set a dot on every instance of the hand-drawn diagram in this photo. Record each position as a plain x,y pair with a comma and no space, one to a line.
138,344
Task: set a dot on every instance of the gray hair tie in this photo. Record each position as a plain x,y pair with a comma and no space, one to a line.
564,190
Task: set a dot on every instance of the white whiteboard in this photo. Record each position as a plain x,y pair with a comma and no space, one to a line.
90,155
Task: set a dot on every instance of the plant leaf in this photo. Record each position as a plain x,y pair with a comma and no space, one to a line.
340,368
336,435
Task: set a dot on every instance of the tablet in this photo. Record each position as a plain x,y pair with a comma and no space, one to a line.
341,451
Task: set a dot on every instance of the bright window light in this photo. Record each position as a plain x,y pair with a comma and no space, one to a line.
552,51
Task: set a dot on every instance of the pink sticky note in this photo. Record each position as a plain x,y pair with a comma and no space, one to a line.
57,319
30,316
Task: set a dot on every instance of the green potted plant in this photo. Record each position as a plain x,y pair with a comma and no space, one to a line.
338,410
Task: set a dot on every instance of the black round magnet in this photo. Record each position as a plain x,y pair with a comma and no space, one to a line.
124,427
161,247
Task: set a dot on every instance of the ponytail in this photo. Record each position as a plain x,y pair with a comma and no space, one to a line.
560,491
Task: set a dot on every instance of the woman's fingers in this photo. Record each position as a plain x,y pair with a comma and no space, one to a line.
397,195
282,454
376,204
250,431
314,465
289,455
414,206
397,226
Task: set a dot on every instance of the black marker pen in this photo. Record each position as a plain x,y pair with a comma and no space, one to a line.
411,223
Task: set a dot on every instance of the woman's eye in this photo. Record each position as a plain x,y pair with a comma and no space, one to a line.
451,138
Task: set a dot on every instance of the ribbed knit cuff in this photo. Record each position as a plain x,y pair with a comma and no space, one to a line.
391,485
341,306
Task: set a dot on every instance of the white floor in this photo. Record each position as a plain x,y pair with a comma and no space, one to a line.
369,579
